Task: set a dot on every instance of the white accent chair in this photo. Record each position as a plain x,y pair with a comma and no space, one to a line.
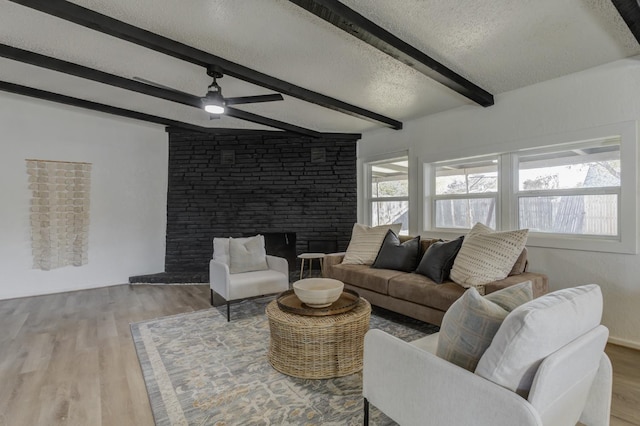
413,386
245,285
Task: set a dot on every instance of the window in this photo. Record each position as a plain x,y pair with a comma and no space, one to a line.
465,193
570,191
388,192
571,195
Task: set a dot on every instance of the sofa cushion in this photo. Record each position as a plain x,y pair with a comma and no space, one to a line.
248,255
473,320
364,276
365,243
539,282
419,289
521,263
535,330
487,256
438,260
396,255
425,243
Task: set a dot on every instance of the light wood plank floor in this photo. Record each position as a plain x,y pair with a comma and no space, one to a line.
68,358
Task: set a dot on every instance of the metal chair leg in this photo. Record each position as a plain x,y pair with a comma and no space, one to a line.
211,291
228,311
366,412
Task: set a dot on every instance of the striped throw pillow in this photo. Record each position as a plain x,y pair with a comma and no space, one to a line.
365,243
487,256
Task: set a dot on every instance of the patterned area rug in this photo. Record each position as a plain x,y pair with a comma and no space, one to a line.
201,370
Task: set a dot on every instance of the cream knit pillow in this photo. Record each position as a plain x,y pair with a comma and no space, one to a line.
365,243
248,255
487,256
221,248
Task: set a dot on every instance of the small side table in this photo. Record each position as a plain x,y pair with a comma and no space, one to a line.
309,257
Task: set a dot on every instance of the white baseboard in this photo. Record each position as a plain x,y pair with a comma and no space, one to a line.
624,342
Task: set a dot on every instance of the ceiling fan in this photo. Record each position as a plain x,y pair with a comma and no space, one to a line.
214,103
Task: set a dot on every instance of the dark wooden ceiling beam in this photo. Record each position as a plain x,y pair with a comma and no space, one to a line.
630,12
59,65
360,27
81,71
94,106
258,119
275,134
107,25
122,112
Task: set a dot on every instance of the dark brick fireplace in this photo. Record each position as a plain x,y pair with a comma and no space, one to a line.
244,183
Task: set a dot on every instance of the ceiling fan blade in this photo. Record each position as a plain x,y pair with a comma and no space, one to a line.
254,99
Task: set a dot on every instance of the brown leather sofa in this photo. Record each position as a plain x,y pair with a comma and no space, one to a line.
413,294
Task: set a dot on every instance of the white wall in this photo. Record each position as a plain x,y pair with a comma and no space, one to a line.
599,96
128,193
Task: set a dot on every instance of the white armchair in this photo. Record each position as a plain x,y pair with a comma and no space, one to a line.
413,386
234,287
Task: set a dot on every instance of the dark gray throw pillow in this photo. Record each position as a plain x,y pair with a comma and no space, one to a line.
397,256
438,260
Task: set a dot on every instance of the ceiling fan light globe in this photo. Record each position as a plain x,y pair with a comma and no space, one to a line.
214,109
213,103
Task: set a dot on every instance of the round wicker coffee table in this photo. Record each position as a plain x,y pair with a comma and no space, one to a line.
318,347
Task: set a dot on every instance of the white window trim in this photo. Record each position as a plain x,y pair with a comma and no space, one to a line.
434,197
368,198
506,214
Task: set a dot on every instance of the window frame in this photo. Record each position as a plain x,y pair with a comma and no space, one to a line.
369,199
476,195
508,191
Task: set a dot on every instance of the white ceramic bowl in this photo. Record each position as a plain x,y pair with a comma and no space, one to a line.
318,292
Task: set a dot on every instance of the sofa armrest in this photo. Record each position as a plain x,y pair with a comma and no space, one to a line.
219,278
279,264
329,261
539,282
410,385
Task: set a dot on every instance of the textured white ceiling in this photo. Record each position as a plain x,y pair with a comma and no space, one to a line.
503,45
500,45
